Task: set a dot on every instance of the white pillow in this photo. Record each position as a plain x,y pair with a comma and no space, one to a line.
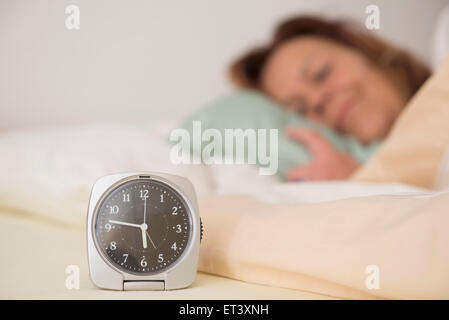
49,172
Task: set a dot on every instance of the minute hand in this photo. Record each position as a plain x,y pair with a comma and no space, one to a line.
125,223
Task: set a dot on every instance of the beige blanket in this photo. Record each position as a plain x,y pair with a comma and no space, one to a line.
332,248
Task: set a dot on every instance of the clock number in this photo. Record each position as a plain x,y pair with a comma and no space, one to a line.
125,255
126,197
114,209
178,228
143,262
162,198
108,227
113,245
174,246
160,258
174,211
144,194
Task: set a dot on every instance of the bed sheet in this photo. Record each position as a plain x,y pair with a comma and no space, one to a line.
35,253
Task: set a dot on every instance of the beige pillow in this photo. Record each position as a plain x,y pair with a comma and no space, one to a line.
414,150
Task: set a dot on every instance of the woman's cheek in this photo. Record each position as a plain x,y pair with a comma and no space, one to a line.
369,125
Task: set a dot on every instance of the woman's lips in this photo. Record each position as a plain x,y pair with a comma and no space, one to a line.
342,116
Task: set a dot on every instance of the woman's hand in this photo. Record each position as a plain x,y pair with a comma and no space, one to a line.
328,163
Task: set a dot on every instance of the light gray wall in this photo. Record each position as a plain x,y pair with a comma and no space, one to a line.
154,59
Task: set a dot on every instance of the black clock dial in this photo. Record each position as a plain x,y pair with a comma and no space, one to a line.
143,226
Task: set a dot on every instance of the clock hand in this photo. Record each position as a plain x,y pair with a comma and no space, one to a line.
151,240
144,238
144,227
144,211
125,223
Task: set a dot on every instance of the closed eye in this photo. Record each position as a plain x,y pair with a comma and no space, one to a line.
322,74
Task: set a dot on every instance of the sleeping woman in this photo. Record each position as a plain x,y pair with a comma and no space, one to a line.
338,75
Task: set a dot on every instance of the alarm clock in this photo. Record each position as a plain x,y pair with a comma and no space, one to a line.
143,232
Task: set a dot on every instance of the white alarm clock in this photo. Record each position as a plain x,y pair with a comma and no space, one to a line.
143,232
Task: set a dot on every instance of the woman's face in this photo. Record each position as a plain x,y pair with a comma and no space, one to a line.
333,85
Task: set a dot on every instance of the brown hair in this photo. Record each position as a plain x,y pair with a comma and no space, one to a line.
408,71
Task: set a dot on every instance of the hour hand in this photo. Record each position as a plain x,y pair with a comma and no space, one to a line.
125,223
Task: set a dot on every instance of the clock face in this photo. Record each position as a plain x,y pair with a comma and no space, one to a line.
142,226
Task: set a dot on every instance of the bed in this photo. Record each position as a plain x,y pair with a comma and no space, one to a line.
392,214
43,217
